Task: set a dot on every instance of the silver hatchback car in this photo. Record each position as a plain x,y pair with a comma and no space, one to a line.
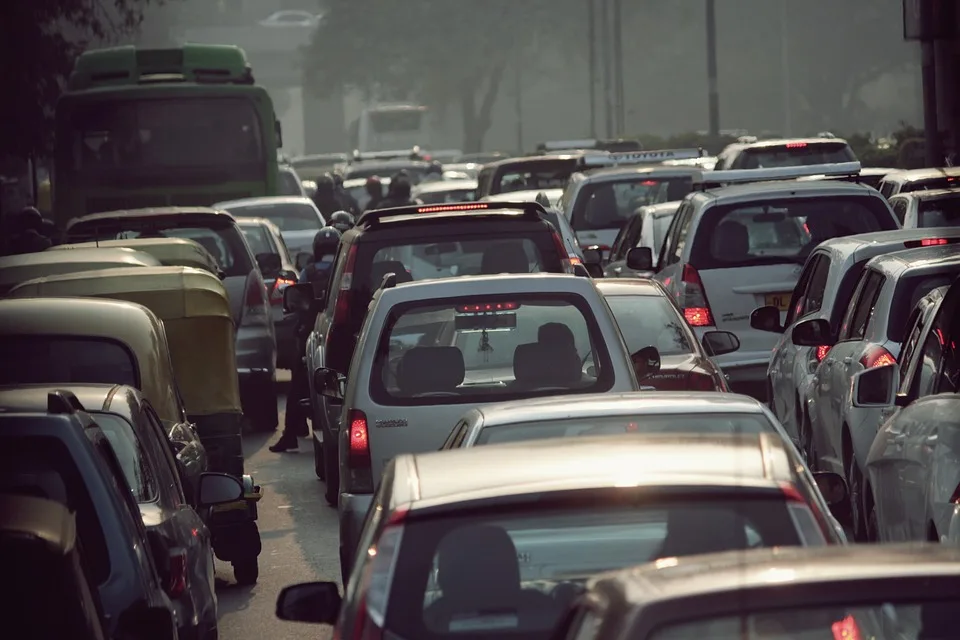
430,350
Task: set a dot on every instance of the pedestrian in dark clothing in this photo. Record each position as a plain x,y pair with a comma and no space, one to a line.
375,190
347,202
317,273
28,235
399,196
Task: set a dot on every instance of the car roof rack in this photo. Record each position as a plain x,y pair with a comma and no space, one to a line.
532,210
712,179
627,158
63,402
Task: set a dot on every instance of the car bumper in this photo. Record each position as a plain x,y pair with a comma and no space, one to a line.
256,351
353,509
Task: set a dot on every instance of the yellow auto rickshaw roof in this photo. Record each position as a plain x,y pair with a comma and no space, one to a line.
27,266
171,252
170,292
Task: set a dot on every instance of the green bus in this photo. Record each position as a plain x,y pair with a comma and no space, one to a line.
142,128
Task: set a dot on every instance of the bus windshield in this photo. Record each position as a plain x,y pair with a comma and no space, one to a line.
110,138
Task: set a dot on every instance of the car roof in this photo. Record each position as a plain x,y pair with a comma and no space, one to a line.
629,287
600,462
547,157
919,258
731,570
850,244
94,397
925,174
398,163
265,200
444,185
786,189
612,174
153,212
637,403
499,284
930,194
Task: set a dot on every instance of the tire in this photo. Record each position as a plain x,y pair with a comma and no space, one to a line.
806,442
858,520
264,414
331,461
318,462
246,571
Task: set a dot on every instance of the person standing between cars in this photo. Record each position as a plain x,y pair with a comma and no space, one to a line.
374,189
317,273
28,235
326,196
399,196
346,200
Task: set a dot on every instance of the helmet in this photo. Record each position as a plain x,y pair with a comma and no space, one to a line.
342,221
325,185
325,242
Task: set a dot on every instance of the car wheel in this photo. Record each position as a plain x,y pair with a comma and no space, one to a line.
246,571
806,441
331,461
318,462
855,487
264,414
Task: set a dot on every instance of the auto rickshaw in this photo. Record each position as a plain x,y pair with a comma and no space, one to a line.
19,268
195,311
171,252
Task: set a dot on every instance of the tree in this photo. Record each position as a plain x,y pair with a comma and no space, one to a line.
440,52
39,40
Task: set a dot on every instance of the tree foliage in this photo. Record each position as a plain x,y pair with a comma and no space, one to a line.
441,52
39,41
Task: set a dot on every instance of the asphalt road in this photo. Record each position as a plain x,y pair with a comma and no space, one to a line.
299,533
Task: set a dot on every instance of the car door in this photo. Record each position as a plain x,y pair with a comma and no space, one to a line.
669,263
833,374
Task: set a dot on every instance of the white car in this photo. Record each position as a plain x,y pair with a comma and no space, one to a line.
291,18
733,248
925,209
870,335
446,191
297,218
920,180
548,198
750,153
824,290
647,228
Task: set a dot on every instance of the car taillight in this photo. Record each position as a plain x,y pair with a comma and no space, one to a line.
276,295
359,462
846,629
877,356
796,145
565,261
376,579
487,306
341,312
474,206
177,576
693,299
797,499
255,301
930,242
821,352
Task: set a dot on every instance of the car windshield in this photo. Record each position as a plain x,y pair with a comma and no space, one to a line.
784,231
490,349
942,212
795,154
256,236
288,216
932,620
650,321
621,424
133,459
512,572
608,205
54,359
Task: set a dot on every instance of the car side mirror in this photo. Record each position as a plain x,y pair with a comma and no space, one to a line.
594,270
832,486
640,259
813,333
592,255
766,319
218,488
719,343
581,270
875,387
329,383
302,260
298,298
314,602
646,362
269,263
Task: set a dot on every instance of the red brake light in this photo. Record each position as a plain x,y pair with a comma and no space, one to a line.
276,297
822,352
877,357
846,629
256,292
690,275
796,145
489,306
698,316
359,439
649,183
791,493
177,578
453,207
696,310
932,242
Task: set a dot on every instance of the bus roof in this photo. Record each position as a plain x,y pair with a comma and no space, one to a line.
129,65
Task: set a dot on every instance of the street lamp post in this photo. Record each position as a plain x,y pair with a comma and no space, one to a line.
713,89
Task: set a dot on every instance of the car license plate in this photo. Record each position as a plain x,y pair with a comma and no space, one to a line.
779,300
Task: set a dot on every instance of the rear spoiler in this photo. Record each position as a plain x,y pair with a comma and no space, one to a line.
531,210
710,179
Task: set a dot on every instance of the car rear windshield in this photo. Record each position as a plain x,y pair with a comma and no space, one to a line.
490,349
288,185
527,176
53,359
930,184
782,231
415,172
130,454
650,321
256,237
861,618
512,572
943,212
446,197
909,292
795,154
608,205
288,216
613,425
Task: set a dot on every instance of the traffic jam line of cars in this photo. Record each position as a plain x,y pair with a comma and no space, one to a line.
591,392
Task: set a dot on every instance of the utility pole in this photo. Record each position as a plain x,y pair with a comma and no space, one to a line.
592,61
785,69
519,104
714,91
618,66
607,66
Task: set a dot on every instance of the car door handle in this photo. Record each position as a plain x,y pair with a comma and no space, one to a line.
848,360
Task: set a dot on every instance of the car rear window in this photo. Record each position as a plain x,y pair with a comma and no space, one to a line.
288,216
256,237
513,571
650,321
618,425
782,231
489,349
943,212
908,293
53,359
930,184
661,224
415,172
527,176
130,454
795,154
445,197
609,205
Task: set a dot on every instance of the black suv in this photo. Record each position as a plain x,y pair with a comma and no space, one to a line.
415,243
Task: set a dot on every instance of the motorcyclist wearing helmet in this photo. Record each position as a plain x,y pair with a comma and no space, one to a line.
29,233
325,196
325,245
342,221
347,201
399,195
374,189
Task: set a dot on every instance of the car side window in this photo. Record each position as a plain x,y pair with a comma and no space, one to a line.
858,317
899,206
818,284
800,291
913,332
456,436
929,364
161,443
949,375
887,188
680,237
